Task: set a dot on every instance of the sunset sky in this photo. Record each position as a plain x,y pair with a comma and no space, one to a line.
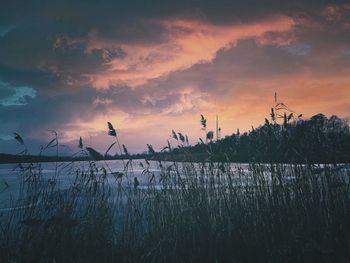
153,66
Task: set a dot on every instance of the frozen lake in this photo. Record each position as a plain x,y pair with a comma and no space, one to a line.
64,174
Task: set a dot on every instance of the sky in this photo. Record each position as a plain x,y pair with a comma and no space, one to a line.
151,67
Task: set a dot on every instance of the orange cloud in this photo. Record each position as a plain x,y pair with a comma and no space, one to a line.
187,43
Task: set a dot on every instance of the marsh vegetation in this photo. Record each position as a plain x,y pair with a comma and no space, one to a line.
209,212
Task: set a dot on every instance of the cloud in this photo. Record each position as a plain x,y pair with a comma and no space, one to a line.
300,49
179,51
15,96
6,29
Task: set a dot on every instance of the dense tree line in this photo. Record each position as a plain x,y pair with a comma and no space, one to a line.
315,140
295,140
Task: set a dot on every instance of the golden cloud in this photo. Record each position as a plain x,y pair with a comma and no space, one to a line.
187,43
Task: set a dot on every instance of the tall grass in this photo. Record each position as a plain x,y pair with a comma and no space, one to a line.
208,212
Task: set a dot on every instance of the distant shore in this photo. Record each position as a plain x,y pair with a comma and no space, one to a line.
12,158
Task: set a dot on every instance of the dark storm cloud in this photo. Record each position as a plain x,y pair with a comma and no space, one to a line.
28,59
44,112
27,52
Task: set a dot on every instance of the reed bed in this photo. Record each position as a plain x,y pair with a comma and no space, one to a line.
188,212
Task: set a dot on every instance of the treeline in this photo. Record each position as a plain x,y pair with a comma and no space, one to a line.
11,158
315,140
